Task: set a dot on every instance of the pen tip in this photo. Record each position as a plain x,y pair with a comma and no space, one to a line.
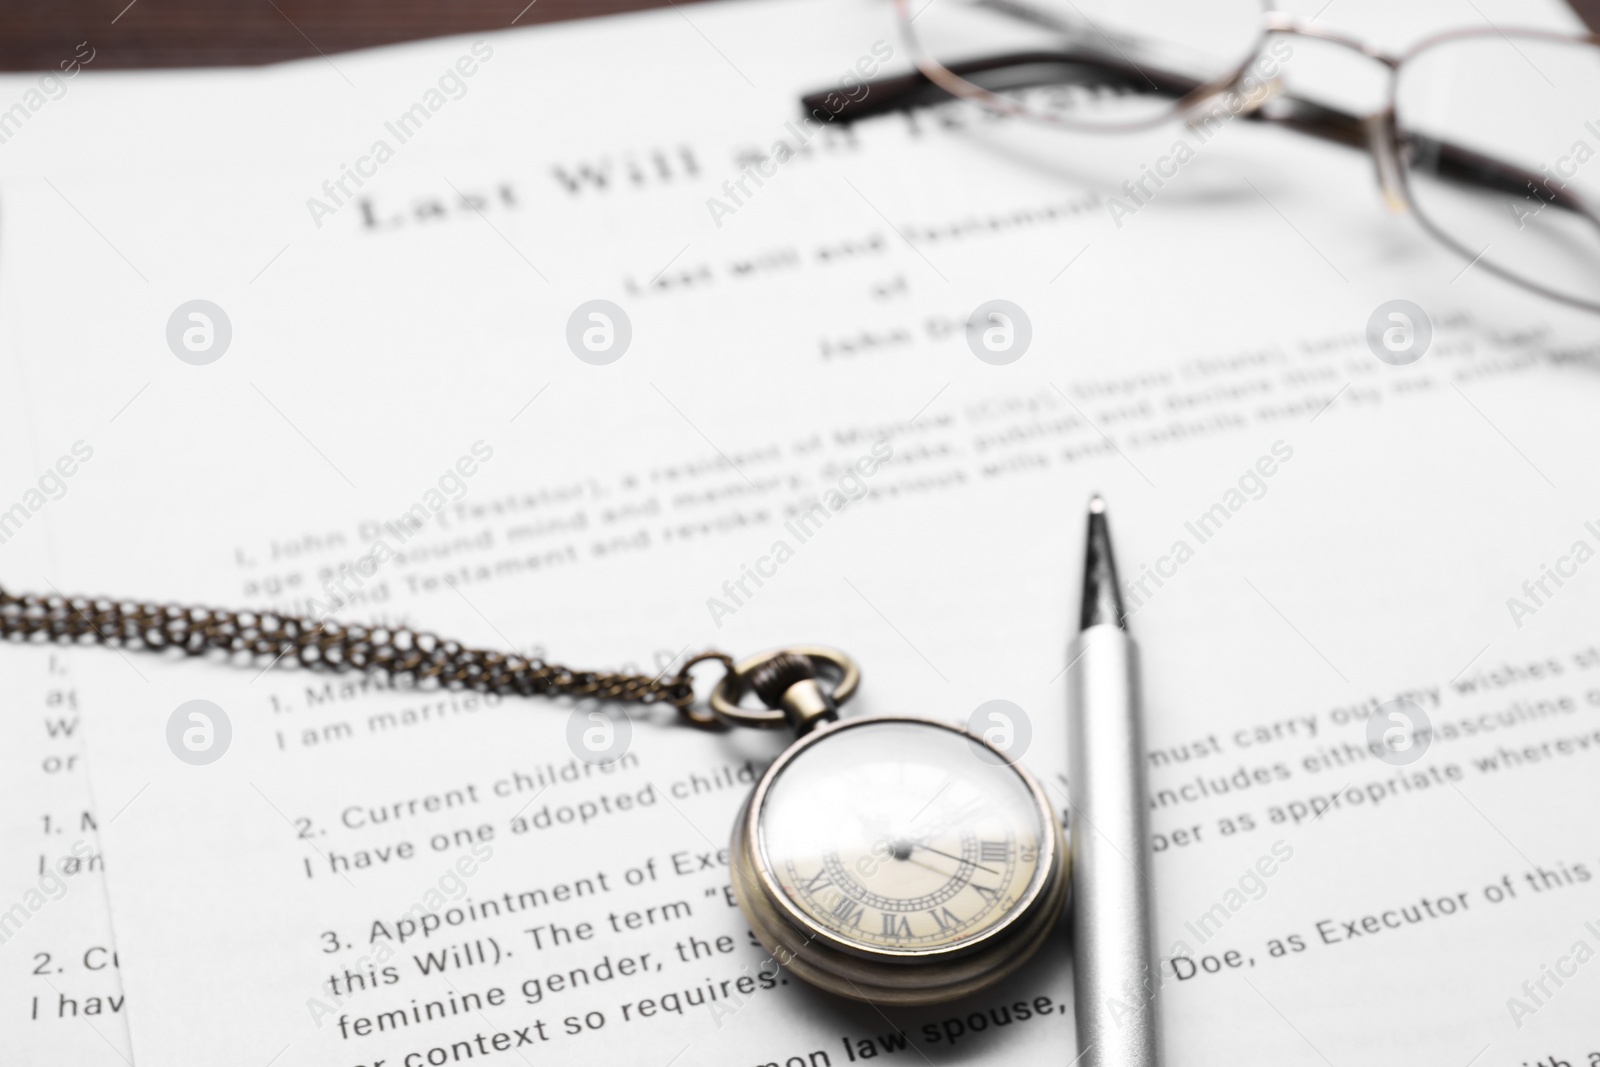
1102,594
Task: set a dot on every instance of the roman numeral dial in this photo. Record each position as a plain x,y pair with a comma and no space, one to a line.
901,846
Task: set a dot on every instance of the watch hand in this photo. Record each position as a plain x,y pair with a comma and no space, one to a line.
958,811
958,859
929,804
929,867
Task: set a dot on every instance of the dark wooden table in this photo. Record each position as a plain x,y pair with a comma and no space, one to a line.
206,33
209,33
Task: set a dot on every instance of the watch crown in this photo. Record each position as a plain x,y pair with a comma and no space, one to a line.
778,674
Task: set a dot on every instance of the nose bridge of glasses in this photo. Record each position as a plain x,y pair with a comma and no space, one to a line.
1377,126
1287,25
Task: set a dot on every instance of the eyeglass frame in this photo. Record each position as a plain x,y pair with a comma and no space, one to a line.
1378,133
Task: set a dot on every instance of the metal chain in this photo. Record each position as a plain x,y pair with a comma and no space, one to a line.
399,652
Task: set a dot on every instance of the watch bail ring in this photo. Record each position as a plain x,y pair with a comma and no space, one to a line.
726,697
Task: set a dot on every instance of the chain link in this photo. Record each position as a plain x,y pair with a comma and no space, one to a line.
399,652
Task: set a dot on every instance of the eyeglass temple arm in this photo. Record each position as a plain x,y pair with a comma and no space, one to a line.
1449,161
1018,70
1473,168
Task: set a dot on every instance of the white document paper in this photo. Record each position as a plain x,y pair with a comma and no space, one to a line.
61,996
63,999
378,874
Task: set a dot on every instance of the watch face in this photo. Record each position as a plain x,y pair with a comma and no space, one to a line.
896,835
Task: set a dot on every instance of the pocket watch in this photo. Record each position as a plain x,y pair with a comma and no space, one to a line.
892,859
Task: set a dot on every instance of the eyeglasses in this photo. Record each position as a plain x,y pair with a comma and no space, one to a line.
1491,136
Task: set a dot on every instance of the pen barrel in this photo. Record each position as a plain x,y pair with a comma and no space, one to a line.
1115,970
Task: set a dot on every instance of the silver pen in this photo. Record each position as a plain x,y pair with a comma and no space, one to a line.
1114,964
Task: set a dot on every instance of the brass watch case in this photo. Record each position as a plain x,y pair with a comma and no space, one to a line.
899,977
